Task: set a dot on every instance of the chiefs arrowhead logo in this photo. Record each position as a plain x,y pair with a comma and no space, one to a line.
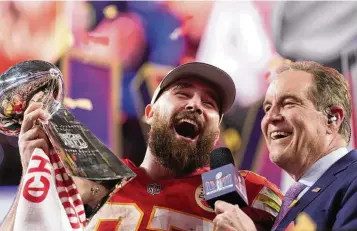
200,199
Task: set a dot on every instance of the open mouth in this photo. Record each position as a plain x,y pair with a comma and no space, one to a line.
187,128
279,135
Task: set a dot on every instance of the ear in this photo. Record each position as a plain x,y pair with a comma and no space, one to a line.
149,112
338,112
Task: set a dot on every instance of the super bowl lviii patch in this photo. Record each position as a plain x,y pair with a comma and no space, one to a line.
268,201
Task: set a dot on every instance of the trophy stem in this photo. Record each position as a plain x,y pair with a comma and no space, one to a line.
81,152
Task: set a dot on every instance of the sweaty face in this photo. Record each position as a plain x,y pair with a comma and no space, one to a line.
293,128
185,126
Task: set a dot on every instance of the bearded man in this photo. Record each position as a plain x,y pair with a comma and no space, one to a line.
185,114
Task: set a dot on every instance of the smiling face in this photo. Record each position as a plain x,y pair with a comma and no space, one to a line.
294,130
184,125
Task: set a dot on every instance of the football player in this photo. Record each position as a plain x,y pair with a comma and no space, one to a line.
184,115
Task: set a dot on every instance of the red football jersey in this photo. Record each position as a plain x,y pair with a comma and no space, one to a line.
177,204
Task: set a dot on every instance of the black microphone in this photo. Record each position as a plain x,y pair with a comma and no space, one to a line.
224,182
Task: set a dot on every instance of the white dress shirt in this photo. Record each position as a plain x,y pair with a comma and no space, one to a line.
319,168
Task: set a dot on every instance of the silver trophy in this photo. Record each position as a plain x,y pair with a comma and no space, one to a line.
81,152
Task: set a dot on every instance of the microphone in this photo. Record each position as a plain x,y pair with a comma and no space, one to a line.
224,182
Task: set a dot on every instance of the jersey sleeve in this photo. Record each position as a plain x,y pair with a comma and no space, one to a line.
264,199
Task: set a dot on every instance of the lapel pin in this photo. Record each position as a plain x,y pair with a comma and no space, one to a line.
316,190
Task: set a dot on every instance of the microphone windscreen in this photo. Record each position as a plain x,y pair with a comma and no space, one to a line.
220,157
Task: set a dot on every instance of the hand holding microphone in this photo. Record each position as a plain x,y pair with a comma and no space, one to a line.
231,217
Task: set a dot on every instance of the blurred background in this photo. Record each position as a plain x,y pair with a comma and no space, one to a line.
113,54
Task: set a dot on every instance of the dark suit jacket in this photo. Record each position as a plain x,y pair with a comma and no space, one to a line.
332,201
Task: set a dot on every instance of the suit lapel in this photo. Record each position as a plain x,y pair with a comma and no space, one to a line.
308,197
327,178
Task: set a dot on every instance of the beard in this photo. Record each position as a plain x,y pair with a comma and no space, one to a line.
178,155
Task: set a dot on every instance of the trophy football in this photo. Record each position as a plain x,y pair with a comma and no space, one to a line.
81,152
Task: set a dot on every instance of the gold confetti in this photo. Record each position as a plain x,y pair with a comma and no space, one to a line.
293,203
110,12
84,104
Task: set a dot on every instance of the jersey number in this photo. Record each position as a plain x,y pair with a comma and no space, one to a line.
128,216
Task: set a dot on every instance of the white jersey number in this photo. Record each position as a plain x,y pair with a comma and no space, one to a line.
128,216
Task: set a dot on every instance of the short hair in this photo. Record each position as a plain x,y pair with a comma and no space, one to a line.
331,88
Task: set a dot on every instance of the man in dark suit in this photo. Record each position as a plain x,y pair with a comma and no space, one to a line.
307,129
